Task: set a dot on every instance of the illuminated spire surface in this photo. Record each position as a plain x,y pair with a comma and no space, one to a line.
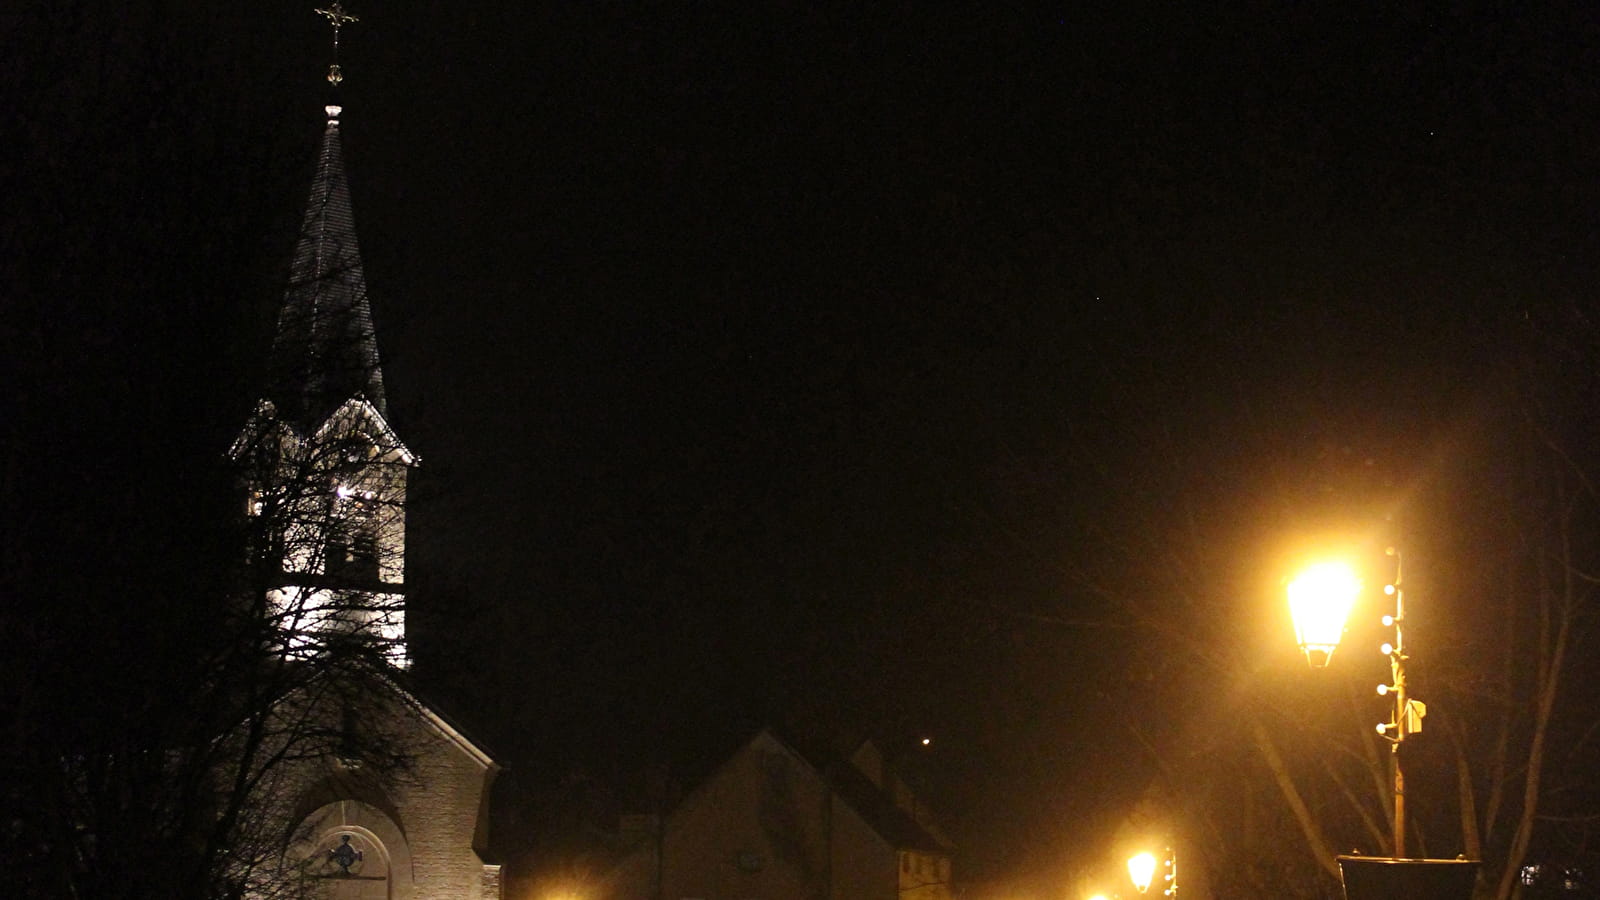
325,351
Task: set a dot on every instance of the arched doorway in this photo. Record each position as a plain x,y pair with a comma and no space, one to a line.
349,850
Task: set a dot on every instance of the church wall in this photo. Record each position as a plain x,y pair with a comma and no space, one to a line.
441,808
427,820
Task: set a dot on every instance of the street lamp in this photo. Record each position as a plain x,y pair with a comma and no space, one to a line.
1142,869
1319,601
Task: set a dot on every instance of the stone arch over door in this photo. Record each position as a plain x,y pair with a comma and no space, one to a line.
326,848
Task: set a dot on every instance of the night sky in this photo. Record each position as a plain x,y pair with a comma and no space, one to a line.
775,362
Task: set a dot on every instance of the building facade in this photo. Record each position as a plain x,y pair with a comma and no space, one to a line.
402,812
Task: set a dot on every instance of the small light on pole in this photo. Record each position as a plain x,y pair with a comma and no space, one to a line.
1319,601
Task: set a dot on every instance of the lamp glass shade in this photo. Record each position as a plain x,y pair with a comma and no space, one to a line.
1141,869
1320,599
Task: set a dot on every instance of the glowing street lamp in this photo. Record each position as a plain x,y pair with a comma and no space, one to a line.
1142,868
1320,599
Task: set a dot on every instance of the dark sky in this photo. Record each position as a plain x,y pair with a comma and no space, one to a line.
734,337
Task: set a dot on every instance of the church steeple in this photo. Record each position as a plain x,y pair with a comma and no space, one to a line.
325,351
323,473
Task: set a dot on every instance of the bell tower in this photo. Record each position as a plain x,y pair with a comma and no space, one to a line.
324,475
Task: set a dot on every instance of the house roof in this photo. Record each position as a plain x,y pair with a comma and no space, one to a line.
894,824
325,351
875,807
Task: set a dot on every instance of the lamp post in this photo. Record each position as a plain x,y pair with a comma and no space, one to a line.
1407,717
1320,600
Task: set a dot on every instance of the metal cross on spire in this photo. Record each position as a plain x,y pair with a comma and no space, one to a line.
338,18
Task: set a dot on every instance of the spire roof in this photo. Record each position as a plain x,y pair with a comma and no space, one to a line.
325,351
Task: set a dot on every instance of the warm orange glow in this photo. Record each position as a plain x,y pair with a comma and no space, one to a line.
1319,601
1141,869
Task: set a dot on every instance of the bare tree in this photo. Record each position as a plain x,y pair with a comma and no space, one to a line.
266,688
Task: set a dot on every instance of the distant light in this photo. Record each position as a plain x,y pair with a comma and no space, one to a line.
927,741
1386,649
1388,621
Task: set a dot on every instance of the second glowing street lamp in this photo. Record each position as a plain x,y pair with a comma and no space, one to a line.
1320,600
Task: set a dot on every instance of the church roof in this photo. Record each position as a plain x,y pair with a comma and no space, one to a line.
325,351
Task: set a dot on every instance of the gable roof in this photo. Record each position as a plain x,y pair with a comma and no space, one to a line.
876,808
442,722
325,350
879,810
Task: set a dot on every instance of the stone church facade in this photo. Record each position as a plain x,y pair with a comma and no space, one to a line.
324,476
419,836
